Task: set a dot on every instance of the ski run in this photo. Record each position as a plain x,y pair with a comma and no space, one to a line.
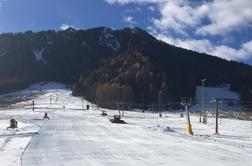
76,137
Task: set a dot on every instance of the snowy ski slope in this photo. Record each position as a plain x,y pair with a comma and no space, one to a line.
74,136
218,92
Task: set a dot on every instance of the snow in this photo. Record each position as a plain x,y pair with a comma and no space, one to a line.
216,92
3,53
107,38
84,43
69,28
49,42
73,136
133,30
39,55
223,92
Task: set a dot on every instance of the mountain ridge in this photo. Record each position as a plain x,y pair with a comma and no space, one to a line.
64,56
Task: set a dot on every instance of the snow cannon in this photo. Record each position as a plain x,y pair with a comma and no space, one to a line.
189,129
13,124
104,113
204,119
46,116
117,119
186,101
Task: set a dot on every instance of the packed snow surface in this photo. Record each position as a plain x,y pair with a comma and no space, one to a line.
73,136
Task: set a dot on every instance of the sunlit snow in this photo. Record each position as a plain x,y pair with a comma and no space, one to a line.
73,136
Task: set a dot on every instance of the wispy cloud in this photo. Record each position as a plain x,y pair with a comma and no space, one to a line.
1,1
205,46
133,10
133,1
200,19
129,20
226,16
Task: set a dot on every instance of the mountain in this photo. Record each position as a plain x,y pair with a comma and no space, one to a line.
109,65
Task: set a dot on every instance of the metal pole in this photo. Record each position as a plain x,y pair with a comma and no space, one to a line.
33,108
123,108
20,95
118,107
159,104
217,116
143,103
203,92
187,115
203,98
82,103
203,102
189,126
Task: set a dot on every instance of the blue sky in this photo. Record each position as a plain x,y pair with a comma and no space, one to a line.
218,27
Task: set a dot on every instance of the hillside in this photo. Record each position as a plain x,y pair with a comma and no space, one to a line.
127,60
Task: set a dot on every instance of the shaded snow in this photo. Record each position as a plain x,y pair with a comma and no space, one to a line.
133,30
3,53
39,55
216,92
230,99
49,42
83,43
107,38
